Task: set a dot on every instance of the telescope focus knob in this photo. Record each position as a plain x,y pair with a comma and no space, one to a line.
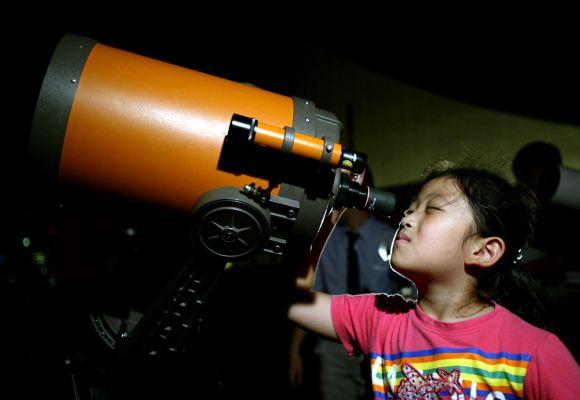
228,225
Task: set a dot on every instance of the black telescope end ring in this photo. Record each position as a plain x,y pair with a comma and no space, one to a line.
55,101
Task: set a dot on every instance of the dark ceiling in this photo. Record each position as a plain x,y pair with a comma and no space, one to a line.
536,76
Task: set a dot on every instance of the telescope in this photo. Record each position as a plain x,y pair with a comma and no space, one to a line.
254,171
113,121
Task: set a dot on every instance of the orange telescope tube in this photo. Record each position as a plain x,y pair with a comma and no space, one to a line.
127,124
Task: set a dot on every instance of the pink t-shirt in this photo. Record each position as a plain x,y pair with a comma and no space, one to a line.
413,356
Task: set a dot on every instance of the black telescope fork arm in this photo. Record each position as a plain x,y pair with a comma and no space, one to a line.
163,331
164,352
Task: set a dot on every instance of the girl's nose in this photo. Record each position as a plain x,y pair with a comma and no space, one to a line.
405,222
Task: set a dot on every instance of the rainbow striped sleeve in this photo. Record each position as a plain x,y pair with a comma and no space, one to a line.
467,373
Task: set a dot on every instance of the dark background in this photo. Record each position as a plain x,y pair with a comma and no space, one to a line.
94,265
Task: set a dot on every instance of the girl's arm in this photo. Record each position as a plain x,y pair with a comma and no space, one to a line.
311,310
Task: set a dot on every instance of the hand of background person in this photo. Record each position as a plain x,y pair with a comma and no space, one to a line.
295,368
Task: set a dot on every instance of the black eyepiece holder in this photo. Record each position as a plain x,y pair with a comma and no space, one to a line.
351,194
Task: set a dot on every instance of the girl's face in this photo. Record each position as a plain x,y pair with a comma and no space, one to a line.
429,242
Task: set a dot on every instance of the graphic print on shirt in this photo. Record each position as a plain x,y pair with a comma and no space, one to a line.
417,386
449,373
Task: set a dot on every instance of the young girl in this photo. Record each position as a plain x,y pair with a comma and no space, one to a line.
459,242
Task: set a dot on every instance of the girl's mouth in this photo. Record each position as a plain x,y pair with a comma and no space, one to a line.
402,238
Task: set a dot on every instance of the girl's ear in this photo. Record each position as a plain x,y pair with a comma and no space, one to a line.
485,252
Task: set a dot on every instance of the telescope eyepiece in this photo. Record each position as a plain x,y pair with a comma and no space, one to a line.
366,198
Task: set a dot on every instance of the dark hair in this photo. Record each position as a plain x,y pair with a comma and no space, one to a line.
500,209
